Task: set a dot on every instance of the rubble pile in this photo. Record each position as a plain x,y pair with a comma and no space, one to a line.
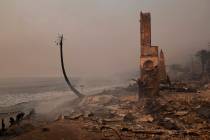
177,115
119,114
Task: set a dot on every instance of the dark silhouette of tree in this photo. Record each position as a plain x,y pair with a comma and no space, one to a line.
204,57
63,69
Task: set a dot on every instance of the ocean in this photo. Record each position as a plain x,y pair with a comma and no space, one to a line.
46,95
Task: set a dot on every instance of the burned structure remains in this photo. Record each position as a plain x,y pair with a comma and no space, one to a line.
152,66
164,78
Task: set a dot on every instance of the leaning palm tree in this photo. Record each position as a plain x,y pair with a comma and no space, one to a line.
60,43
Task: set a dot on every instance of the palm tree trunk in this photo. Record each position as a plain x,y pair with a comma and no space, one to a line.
64,72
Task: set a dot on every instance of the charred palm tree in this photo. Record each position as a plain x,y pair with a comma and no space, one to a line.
64,71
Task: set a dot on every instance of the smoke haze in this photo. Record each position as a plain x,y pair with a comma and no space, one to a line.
101,36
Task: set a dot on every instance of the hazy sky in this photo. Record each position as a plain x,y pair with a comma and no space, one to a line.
101,36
